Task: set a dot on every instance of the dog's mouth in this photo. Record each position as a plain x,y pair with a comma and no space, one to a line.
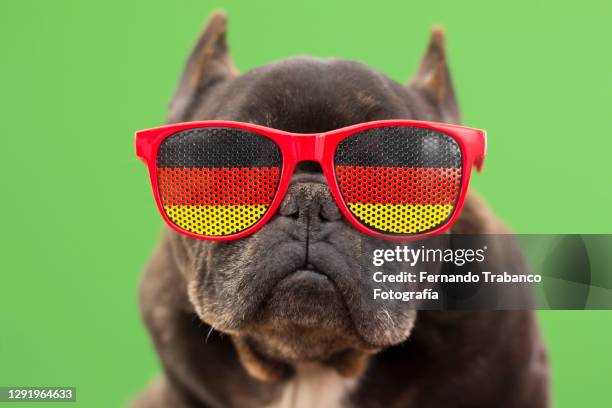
319,309
298,310
304,318
313,314
308,278
306,298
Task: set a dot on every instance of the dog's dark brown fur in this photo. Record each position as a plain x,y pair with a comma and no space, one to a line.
229,326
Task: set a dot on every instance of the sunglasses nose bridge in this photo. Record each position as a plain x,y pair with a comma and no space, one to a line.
308,147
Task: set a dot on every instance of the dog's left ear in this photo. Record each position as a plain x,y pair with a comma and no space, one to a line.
433,79
208,64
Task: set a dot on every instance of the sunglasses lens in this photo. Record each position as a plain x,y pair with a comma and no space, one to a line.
399,180
217,181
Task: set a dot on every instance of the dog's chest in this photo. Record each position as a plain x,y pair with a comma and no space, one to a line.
314,386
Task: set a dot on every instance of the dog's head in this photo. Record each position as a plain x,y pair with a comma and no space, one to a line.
291,292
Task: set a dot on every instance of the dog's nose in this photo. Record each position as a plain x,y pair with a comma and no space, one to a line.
309,201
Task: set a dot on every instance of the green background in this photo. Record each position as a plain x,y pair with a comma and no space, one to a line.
77,78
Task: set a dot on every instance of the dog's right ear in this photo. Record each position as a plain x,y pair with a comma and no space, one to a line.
208,64
434,81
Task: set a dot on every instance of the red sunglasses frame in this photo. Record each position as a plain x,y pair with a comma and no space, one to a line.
318,147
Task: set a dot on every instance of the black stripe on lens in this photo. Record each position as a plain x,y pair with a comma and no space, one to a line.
398,146
218,147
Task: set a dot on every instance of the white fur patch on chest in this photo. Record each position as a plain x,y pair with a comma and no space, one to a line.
315,386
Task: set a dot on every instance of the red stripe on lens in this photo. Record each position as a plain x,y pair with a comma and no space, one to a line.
399,185
217,186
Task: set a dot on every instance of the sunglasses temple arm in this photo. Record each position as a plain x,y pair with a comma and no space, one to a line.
142,147
479,161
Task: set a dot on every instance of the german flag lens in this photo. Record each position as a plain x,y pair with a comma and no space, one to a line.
217,181
399,180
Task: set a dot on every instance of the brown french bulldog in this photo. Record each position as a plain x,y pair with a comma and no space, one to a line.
236,324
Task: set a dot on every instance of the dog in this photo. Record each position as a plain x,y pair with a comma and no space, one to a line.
230,332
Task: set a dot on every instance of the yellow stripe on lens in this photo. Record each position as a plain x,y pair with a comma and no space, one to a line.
215,220
401,218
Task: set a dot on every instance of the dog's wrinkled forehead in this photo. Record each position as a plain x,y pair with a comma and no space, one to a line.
313,95
304,94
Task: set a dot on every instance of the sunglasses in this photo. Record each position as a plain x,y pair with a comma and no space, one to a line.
393,179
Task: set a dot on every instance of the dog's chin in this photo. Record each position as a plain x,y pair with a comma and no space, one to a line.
304,319
281,314
305,299
307,315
